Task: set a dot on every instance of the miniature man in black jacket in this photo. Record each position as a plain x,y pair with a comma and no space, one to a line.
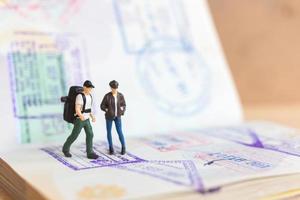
114,105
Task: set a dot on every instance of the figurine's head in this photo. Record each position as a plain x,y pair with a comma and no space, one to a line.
114,86
88,87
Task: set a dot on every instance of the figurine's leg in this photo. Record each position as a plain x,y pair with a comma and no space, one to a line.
89,140
89,136
118,124
108,129
75,132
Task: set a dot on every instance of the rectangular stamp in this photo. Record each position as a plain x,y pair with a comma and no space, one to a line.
41,67
250,137
142,22
180,172
78,161
166,143
41,11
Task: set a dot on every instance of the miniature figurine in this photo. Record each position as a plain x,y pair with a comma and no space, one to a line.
78,110
114,105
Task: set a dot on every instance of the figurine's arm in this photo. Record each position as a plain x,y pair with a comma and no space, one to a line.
78,112
91,114
103,105
93,117
123,104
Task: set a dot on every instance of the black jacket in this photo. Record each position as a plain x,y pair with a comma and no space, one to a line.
108,105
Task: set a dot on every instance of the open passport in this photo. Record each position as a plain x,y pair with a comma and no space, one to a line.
184,128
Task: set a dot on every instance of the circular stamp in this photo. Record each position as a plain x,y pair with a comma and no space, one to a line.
175,78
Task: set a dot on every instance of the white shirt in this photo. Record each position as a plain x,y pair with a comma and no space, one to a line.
88,104
116,103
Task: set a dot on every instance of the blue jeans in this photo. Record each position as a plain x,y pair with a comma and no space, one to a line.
118,125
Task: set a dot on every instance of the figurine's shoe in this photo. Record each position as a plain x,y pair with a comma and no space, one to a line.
111,151
123,151
92,156
67,154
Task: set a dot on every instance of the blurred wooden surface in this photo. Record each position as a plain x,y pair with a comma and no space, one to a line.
288,114
262,45
4,195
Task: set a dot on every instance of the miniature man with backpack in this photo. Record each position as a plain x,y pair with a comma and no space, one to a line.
78,110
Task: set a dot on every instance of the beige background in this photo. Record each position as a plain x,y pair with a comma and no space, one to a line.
261,39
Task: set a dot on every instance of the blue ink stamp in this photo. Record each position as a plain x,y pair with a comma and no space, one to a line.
169,67
140,23
178,81
78,161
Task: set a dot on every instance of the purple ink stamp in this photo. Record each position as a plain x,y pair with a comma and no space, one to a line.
249,137
180,172
78,161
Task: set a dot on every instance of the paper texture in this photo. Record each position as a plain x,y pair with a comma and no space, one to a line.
164,53
159,164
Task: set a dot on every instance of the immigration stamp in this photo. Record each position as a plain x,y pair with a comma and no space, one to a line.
140,23
177,141
176,79
53,10
180,172
41,66
249,137
167,62
233,159
78,161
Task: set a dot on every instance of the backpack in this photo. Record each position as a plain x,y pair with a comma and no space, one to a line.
69,103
